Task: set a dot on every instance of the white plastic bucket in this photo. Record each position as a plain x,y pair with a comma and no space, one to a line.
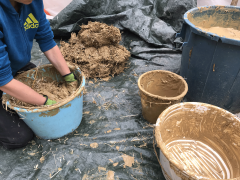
198,141
215,2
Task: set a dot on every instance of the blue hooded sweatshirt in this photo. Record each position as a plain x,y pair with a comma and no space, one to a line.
17,31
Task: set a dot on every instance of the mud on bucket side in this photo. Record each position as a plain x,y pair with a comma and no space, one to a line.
160,89
60,119
198,141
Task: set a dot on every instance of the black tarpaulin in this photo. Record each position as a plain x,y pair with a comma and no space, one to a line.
112,116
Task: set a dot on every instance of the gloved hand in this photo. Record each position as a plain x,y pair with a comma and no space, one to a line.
49,102
69,78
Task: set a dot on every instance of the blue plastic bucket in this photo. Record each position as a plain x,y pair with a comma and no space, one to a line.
210,63
54,121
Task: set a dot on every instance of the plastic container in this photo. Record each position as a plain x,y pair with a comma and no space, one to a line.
54,121
215,2
210,63
158,90
198,141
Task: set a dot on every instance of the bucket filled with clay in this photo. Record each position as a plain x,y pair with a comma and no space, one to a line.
158,90
198,141
55,121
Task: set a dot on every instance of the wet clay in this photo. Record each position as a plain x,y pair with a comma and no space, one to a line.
223,32
220,21
101,169
200,140
97,34
162,84
115,164
94,145
159,90
55,90
110,175
128,160
96,50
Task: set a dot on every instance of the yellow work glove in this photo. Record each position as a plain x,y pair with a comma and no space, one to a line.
69,78
49,102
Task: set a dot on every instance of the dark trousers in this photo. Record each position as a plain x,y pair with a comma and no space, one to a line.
14,133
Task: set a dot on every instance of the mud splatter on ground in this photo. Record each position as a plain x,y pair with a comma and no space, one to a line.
128,160
110,175
115,164
101,169
96,50
94,145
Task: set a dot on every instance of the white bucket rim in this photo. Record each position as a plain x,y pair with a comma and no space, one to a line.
162,145
38,109
162,97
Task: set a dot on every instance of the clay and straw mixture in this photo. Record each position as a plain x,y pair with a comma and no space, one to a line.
96,50
57,91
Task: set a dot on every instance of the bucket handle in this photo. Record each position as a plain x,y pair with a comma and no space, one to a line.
154,102
154,148
157,103
183,31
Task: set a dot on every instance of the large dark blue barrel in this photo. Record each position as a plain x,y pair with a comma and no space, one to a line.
210,63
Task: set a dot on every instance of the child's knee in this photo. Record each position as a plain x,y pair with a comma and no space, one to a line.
20,140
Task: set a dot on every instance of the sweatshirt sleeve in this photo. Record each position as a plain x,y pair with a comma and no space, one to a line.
5,68
44,35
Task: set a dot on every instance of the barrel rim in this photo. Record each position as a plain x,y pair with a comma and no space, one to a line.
209,34
162,145
161,97
39,109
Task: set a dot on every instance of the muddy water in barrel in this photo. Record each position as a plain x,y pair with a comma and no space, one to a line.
223,22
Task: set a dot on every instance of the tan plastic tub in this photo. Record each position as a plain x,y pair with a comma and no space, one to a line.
158,90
